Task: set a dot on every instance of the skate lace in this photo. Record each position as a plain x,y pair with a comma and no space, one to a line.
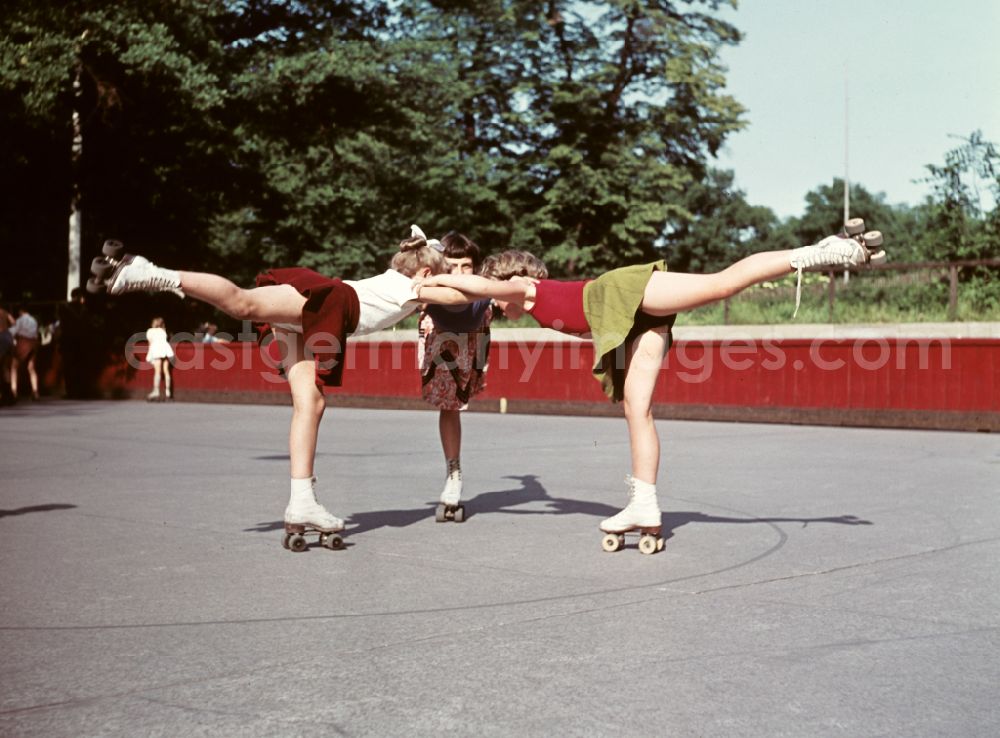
455,468
630,481
819,254
798,292
144,275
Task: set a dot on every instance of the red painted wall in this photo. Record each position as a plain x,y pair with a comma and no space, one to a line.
956,375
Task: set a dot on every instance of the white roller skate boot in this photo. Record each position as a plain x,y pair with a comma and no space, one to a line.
449,507
641,515
851,248
139,274
304,515
118,273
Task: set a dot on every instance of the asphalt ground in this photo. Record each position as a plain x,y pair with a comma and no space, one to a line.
816,581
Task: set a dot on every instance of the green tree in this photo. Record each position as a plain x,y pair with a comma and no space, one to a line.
722,227
824,215
154,152
234,134
962,217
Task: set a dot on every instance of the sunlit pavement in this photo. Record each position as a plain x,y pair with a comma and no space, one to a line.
815,580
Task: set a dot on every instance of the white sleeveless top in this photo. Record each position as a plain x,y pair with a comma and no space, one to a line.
384,300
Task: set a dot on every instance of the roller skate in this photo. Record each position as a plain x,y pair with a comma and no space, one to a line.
153,396
305,516
449,507
641,516
118,273
852,247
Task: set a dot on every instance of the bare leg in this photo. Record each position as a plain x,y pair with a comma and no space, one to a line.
308,405
450,427
15,366
642,369
166,379
272,304
33,377
668,293
156,378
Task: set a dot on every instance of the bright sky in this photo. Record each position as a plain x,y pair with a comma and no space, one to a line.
917,71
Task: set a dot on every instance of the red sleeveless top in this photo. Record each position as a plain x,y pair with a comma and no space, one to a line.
559,305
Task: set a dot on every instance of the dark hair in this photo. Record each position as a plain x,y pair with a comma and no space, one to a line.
459,246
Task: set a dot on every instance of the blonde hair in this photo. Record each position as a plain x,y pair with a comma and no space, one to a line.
509,264
158,323
415,254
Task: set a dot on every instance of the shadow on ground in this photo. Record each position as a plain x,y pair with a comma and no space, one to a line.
35,509
529,491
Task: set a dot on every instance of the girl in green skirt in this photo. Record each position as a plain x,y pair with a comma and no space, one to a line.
628,313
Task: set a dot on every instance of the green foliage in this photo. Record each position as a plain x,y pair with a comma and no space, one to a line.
956,217
231,135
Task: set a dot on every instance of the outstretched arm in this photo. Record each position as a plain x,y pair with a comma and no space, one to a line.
441,295
474,287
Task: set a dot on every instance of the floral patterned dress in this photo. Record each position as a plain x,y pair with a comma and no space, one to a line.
454,354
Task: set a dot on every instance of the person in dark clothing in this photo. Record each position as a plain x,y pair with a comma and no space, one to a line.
75,336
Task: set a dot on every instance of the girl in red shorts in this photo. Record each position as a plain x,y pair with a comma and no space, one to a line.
310,316
628,313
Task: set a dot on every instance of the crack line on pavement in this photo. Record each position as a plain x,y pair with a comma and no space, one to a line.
847,567
782,538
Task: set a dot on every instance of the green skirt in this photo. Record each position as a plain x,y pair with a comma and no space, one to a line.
612,305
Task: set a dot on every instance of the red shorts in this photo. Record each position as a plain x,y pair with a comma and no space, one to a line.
330,314
25,349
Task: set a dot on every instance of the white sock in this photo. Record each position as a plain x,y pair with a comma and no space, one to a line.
302,491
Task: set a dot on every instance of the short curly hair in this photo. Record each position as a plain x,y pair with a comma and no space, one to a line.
509,264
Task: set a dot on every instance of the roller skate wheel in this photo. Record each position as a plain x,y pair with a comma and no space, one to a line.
854,226
113,248
659,544
285,539
459,514
612,542
100,268
332,541
647,544
93,286
873,239
441,513
297,543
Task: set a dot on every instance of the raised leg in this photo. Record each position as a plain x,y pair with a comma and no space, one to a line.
121,273
272,304
668,293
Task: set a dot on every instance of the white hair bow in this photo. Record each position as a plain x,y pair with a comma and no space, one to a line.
432,242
